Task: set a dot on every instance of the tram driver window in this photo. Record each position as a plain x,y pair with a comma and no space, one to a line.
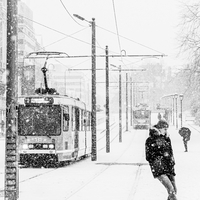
66,119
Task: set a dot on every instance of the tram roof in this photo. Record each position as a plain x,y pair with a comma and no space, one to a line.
57,100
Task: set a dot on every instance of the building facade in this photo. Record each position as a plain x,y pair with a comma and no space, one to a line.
26,43
2,64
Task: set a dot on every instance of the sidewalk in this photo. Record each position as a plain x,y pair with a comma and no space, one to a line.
128,176
187,164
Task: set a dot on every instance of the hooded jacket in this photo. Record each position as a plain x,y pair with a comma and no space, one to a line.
159,154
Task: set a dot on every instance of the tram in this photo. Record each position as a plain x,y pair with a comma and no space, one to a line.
53,129
141,118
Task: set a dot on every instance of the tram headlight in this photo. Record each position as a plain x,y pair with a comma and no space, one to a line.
30,146
51,146
45,146
25,146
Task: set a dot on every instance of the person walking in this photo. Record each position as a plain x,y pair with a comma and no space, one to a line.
159,116
160,156
185,133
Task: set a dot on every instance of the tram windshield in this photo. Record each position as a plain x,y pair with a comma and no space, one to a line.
39,120
141,114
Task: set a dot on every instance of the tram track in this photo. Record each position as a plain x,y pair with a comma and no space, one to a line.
113,125
100,172
107,166
113,138
137,176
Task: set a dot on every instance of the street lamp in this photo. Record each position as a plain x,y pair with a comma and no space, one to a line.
181,102
176,97
173,110
93,117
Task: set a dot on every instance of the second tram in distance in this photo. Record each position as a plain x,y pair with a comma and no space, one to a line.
141,118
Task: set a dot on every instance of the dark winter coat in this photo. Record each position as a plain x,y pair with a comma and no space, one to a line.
185,133
159,154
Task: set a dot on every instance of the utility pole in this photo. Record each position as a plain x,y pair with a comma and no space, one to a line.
176,98
120,104
131,102
126,101
93,115
173,110
107,105
11,157
93,119
181,102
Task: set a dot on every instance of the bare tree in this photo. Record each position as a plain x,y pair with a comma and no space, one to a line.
189,36
189,40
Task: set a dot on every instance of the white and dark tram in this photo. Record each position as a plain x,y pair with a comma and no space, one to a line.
52,129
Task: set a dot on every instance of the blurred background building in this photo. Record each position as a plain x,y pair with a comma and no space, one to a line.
27,43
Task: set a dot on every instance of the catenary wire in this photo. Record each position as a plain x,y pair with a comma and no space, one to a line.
117,30
57,31
87,42
69,13
130,40
63,38
79,39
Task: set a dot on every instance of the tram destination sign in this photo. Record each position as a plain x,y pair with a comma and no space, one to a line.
38,100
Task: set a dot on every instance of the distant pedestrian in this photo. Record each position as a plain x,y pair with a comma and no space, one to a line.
159,116
2,127
166,115
185,133
159,154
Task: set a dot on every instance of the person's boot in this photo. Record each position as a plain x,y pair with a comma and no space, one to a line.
186,149
172,197
185,145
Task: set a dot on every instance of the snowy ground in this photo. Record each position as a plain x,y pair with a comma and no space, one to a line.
122,174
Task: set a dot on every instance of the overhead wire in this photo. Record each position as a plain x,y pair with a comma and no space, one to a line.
130,40
75,20
85,41
64,38
96,40
64,33
69,13
57,31
117,29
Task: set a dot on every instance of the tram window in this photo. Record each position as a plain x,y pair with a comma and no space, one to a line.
73,118
85,120
82,122
66,119
88,120
77,118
